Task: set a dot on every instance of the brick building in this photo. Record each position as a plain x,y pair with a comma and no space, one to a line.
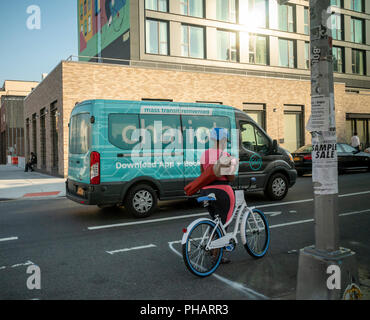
250,54
48,107
12,144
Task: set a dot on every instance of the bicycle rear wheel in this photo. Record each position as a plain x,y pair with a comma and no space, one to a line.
198,260
255,233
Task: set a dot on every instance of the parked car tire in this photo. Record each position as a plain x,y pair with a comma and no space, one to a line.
141,201
277,187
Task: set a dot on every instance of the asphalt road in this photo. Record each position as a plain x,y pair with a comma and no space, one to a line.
89,253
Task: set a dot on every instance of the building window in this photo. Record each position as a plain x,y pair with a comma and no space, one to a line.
34,134
338,59
153,99
210,102
258,12
28,145
357,5
54,135
306,21
337,3
358,62
156,37
286,53
359,123
89,24
337,26
226,10
293,127
258,49
286,18
357,28
226,46
192,42
157,5
194,8
307,55
257,111
43,138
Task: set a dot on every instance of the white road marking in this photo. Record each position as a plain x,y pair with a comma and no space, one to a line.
291,223
353,194
146,221
206,213
241,287
28,263
9,239
353,212
273,213
131,249
235,285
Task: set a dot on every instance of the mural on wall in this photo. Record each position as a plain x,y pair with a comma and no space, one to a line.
101,22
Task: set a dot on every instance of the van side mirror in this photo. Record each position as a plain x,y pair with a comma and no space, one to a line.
274,147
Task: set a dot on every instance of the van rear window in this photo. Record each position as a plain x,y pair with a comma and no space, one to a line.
79,140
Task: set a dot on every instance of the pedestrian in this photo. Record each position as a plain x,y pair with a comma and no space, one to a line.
31,162
355,141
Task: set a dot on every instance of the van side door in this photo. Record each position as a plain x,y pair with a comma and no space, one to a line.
254,159
165,151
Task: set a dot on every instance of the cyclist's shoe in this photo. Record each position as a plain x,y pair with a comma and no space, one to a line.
225,260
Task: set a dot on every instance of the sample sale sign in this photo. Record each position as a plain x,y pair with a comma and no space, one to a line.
325,163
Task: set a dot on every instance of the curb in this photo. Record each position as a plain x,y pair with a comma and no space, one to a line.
32,198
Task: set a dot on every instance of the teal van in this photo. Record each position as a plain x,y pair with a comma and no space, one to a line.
134,153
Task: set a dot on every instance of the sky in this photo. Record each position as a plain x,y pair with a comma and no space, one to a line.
26,53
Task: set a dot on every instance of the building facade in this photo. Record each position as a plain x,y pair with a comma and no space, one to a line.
12,143
261,36
48,107
250,54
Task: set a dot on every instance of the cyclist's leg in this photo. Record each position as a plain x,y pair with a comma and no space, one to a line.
225,201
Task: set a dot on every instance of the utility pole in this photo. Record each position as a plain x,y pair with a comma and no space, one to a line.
325,270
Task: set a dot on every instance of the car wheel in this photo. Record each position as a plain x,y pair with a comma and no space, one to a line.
277,187
141,201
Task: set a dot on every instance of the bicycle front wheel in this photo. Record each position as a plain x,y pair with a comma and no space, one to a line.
255,233
198,260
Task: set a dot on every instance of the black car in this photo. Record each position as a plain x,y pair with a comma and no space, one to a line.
348,159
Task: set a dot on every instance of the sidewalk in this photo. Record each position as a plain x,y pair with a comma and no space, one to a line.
17,184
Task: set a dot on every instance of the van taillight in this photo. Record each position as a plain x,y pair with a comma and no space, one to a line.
94,168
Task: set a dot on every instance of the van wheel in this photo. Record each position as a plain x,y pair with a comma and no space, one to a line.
141,201
277,187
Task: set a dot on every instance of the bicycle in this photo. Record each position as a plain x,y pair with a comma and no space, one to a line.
204,240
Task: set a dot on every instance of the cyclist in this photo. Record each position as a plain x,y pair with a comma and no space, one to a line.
221,188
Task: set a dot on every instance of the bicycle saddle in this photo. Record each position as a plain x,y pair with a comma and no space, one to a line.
210,197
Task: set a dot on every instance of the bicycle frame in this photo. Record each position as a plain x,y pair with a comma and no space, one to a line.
240,210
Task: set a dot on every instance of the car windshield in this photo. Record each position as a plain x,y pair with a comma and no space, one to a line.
304,149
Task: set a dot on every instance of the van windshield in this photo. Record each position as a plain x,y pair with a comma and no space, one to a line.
79,140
